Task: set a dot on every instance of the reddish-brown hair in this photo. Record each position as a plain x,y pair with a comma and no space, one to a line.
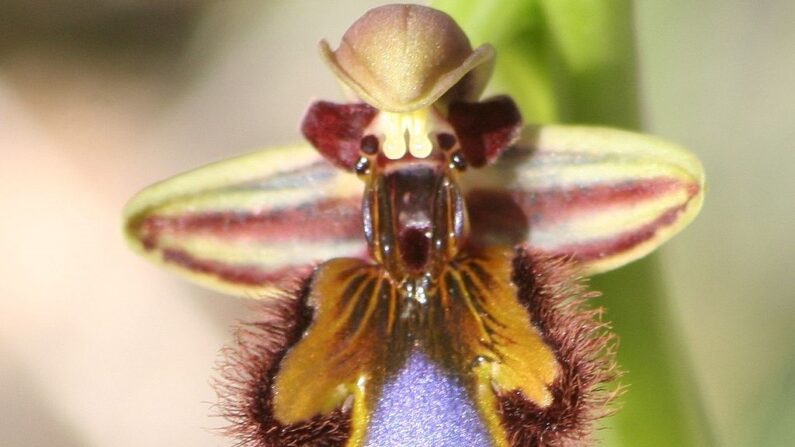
247,372
555,296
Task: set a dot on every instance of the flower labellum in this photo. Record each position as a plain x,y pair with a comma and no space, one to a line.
423,233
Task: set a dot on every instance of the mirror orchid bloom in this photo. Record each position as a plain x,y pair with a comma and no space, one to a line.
419,220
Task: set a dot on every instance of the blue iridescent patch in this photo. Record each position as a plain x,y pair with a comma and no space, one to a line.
425,406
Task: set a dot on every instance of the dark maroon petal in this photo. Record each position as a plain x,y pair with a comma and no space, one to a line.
336,130
486,128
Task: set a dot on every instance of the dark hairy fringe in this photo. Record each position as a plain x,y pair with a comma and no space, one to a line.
556,296
246,374
549,288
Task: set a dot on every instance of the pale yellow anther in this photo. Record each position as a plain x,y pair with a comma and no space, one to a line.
420,145
394,135
406,132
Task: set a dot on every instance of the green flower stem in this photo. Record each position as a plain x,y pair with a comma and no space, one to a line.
573,61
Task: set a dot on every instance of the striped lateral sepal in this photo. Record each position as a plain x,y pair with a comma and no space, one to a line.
247,225
602,196
250,225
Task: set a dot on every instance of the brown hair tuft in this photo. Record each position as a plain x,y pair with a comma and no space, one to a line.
555,295
247,372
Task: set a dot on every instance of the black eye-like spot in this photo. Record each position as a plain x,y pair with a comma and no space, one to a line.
446,141
362,166
458,161
369,144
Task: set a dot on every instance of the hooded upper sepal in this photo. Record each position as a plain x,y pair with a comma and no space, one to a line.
401,58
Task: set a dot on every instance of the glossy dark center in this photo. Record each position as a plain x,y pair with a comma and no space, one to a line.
412,195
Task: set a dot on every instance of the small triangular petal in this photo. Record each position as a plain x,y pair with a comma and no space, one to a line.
336,130
602,196
486,129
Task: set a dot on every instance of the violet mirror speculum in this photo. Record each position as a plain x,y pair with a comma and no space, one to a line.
426,233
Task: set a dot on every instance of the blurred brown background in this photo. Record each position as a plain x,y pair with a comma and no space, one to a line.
99,98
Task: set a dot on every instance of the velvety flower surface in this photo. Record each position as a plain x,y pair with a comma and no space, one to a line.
419,264
425,406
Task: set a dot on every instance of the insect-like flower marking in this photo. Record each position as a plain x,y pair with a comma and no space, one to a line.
424,221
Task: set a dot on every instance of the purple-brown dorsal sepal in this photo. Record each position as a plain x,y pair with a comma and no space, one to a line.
485,129
336,130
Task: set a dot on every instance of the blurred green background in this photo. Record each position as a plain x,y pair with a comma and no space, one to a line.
99,98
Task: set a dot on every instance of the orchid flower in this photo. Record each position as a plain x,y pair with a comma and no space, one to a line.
422,232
